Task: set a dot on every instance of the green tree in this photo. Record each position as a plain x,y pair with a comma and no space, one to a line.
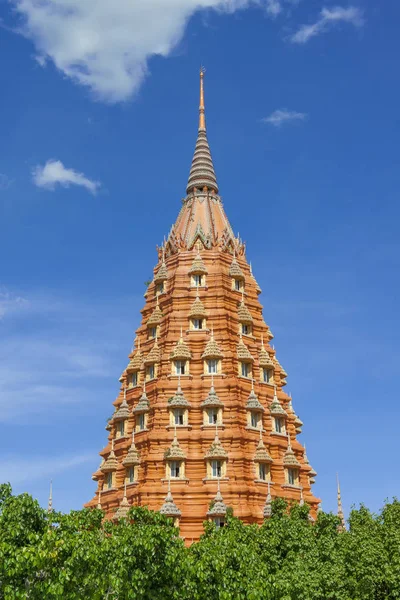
79,556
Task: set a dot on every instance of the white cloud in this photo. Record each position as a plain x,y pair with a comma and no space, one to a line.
54,173
328,17
106,44
282,115
274,7
19,470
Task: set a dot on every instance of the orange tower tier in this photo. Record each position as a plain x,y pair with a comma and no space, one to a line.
202,422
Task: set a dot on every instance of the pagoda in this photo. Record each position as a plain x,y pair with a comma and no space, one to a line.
202,422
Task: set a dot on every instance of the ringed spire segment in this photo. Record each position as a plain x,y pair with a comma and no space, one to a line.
202,174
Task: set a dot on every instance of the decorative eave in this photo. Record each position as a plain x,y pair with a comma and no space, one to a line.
290,460
235,270
178,399
262,454
154,355
212,350
244,314
132,459
198,267
264,358
123,411
197,310
174,452
243,352
212,400
312,473
169,508
181,351
276,408
143,405
111,463
258,289
267,511
162,274
135,363
216,450
155,317
123,509
253,402
270,335
219,508
279,367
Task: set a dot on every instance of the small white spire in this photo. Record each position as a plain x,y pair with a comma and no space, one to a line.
50,502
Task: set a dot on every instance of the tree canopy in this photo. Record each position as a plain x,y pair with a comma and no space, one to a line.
79,556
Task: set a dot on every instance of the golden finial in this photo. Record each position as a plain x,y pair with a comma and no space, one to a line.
202,118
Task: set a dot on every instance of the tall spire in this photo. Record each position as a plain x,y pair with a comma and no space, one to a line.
340,512
202,115
50,502
202,174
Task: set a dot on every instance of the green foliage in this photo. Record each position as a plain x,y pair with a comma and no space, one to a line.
79,555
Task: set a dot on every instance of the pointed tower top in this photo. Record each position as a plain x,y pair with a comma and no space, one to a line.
202,116
202,174
50,502
340,513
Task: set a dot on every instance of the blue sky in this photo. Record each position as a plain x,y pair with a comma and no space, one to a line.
98,118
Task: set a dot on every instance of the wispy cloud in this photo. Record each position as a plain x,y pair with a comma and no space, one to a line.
274,7
11,303
282,115
56,354
54,173
19,470
328,18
